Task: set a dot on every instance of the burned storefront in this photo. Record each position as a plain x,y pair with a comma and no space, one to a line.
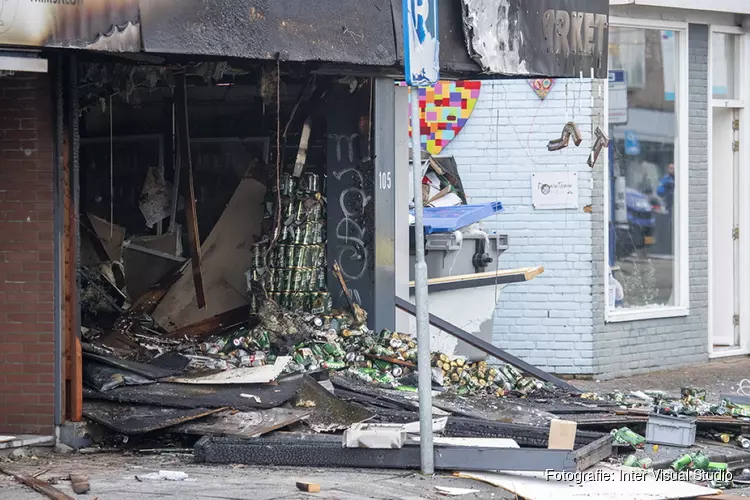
224,238
226,218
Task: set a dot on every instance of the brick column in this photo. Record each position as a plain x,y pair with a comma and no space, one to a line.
26,255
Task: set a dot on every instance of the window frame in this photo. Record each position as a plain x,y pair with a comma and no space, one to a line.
681,288
742,74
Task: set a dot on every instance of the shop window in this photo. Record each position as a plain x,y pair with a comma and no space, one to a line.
644,167
627,52
724,67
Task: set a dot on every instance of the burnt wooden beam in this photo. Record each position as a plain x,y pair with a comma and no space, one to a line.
71,250
38,485
184,159
487,348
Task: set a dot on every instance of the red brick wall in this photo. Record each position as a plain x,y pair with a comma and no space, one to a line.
26,255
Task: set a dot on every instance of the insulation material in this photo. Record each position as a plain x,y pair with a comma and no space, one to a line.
156,197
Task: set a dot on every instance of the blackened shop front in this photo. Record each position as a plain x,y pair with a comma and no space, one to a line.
204,166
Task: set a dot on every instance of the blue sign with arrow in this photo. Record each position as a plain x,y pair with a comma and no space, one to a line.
421,46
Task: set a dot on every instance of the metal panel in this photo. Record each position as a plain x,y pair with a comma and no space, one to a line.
385,205
490,349
402,196
349,190
295,30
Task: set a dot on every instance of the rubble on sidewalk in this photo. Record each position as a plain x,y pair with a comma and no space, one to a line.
269,373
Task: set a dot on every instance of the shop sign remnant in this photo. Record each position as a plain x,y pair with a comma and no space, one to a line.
421,46
104,25
538,37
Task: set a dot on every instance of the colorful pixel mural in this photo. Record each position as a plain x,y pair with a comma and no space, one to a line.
444,110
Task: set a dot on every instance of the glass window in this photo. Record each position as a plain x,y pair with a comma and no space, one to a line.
627,52
724,48
643,169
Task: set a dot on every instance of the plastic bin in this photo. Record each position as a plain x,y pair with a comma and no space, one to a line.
674,431
448,219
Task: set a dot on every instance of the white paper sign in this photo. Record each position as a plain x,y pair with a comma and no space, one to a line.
554,190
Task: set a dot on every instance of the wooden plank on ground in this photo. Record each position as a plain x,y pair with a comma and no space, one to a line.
247,424
183,158
38,485
524,273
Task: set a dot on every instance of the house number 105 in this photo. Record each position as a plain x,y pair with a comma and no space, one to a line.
384,180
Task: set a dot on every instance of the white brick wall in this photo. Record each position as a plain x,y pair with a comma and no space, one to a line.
548,321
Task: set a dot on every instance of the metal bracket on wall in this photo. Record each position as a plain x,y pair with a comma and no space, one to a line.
570,129
735,146
601,141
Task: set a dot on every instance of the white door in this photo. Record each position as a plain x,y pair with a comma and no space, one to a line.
725,229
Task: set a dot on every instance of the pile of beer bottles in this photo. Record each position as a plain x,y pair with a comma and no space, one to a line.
293,272
387,359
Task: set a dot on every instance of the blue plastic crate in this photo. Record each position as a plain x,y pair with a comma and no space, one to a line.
449,219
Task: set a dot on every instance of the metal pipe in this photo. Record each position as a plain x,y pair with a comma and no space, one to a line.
423,312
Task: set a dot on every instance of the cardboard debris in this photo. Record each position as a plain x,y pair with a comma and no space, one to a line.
374,436
225,256
110,235
562,435
148,259
253,375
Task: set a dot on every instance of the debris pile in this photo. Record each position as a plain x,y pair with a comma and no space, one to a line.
336,343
